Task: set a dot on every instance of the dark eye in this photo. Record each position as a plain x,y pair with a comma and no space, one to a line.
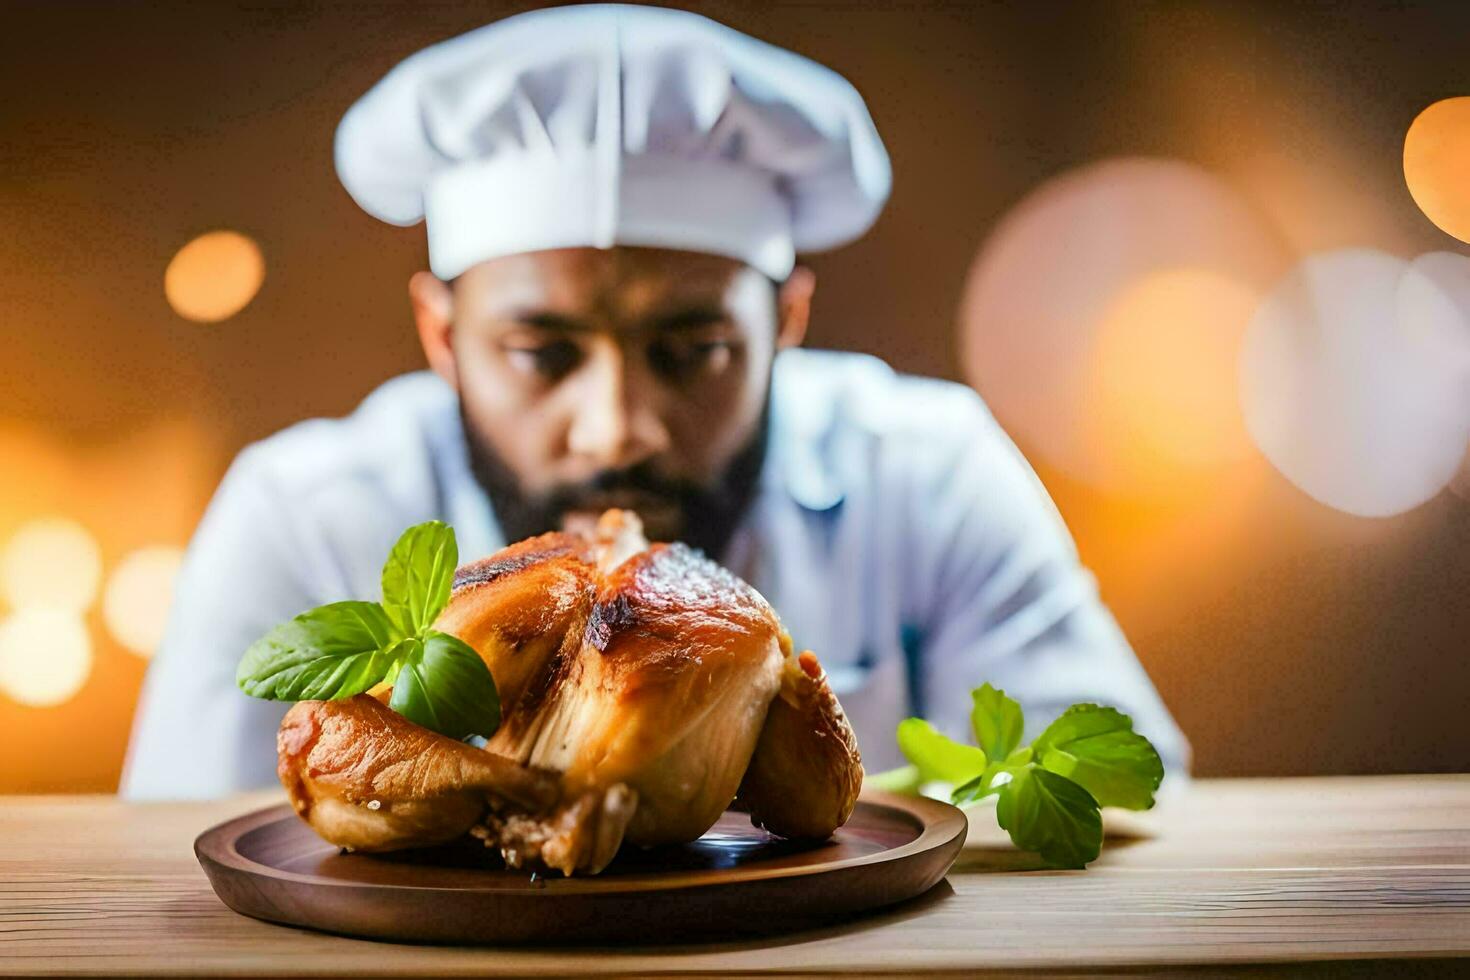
552,360
686,357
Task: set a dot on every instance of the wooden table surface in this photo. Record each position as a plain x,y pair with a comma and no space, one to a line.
1287,872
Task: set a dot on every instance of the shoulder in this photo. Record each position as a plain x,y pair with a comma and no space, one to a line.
848,424
386,443
829,405
333,493
833,388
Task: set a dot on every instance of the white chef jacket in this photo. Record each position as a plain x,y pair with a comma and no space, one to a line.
896,530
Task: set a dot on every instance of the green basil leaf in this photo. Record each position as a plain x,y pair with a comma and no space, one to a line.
975,789
938,757
1098,749
997,721
990,782
418,576
1051,815
443,685
333,651
979,788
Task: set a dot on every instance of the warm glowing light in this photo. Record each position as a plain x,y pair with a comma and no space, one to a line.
1355,378
1437,165
45,656
136,602
1102,318
213,277
1460,482
1169,351
52,563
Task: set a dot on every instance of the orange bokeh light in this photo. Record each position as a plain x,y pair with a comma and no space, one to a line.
214,276
139,592
1437,165
1103,319
1168,352
51,562
45,656
130,494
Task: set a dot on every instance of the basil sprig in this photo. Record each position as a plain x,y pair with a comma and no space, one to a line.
1050,792
344,648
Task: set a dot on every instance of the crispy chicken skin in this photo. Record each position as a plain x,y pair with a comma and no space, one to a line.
641,686
366,778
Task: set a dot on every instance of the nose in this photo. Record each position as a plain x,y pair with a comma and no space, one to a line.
615,422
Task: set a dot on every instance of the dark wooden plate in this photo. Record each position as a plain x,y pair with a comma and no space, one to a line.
735,880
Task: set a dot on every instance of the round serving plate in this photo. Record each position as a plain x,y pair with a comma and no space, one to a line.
735,880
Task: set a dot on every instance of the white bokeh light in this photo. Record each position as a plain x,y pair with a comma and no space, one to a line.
139,591
1355,378
53,563
45,656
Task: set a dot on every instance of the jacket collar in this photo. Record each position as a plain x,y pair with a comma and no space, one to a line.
805,456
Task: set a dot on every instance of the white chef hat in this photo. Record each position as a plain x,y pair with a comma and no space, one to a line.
607,125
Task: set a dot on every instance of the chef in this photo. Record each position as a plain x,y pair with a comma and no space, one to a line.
614,199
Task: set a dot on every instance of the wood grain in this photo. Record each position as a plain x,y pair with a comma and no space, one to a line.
1242,872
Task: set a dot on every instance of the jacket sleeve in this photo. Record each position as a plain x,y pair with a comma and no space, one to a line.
195,734
1011,603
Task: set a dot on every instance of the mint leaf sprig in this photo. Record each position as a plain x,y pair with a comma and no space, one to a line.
344,648
1050,792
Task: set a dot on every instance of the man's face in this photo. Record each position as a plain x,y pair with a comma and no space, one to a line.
625,377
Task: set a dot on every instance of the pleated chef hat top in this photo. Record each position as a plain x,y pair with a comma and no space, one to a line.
611,125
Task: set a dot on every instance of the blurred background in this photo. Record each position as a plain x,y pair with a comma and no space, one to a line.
1206,262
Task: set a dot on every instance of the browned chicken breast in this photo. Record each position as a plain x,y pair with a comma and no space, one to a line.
649,682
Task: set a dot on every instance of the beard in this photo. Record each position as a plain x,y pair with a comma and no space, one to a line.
706,515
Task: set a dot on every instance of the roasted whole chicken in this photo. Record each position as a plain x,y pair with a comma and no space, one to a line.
643,688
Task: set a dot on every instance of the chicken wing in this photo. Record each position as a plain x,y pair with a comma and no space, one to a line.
806,772
366,778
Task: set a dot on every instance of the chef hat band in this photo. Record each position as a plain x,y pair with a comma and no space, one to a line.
526,203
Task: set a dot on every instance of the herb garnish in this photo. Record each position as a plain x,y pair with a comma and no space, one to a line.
344,648
1050,792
